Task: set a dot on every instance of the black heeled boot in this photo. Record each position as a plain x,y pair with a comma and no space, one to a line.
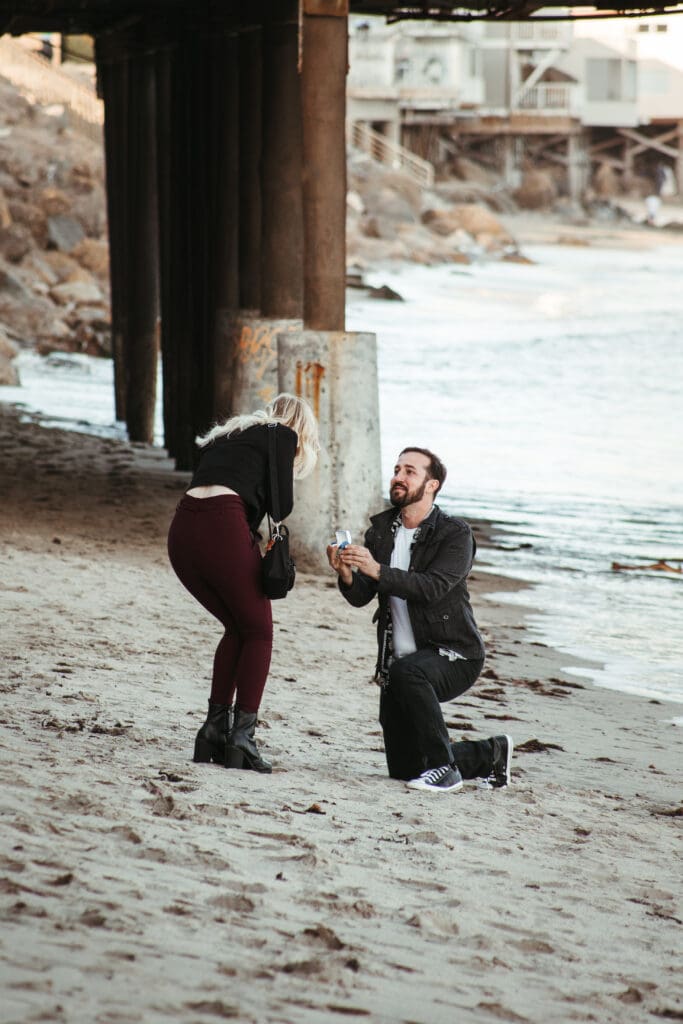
242,750
212,738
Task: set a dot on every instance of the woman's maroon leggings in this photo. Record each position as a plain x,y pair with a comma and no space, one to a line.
215,556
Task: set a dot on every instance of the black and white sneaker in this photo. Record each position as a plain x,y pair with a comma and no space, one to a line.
500,769
446,779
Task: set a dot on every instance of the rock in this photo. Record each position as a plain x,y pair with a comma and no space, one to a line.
605,182
473,218
64,232
391,205
387,199
462,241
82,178
62,265
12,286
537,191
8,350
517,257
9,375
493,197
32,217
5,215
58,329
39,268
370,227
83,275
385,292
90,210
93,254
50,343
15,241
354,277
469,170
93,316
93,342
81,293
54,202
29,320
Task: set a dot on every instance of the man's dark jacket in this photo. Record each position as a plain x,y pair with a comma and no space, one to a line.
434,586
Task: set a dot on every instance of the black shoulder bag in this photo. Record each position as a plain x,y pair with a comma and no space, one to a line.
278,571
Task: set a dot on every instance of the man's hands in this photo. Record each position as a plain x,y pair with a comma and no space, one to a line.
353,556
334,558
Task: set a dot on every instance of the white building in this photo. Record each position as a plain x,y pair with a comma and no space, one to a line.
655,45
577,93
411,73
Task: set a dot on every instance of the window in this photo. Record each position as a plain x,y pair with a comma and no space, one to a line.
402,69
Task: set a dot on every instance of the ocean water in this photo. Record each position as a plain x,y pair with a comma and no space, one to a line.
554,394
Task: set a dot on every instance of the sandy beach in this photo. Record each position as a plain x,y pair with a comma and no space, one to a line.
138,886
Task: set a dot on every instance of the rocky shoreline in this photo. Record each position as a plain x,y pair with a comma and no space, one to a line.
54,259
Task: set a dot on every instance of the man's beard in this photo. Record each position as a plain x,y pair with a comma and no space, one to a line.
400,497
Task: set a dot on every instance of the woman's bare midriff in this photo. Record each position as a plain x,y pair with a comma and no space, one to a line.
210,491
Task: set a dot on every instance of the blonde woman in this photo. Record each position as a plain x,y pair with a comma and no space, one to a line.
213,549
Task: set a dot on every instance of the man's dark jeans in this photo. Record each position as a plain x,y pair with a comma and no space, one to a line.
415,734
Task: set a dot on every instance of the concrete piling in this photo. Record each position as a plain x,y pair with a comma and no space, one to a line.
337,372
255,368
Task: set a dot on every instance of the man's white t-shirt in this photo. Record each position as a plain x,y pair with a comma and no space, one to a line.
403,636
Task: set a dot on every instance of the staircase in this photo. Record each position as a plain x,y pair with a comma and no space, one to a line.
42,83
382,149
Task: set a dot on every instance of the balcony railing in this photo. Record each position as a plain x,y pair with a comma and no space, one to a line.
389,153
546,98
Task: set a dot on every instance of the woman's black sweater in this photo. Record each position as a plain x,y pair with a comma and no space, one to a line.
241,463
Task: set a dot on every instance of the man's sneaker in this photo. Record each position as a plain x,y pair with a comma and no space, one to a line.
500,769
438,780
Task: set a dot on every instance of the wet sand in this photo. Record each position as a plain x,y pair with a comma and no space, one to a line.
138,886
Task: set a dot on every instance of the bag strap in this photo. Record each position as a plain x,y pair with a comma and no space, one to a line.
272,463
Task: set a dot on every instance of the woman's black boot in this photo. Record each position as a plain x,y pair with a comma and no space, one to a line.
212,738
242,750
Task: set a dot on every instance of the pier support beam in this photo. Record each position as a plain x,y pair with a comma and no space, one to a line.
113,77
271,231
281,195
142,253
323,95
224,184
250,150
169,338
127,74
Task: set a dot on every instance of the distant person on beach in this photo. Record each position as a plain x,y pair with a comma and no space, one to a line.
416,560
653,201
213,548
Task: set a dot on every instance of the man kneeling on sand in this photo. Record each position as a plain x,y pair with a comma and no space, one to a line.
416,560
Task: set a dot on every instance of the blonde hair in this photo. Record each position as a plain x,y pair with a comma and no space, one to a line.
287,409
